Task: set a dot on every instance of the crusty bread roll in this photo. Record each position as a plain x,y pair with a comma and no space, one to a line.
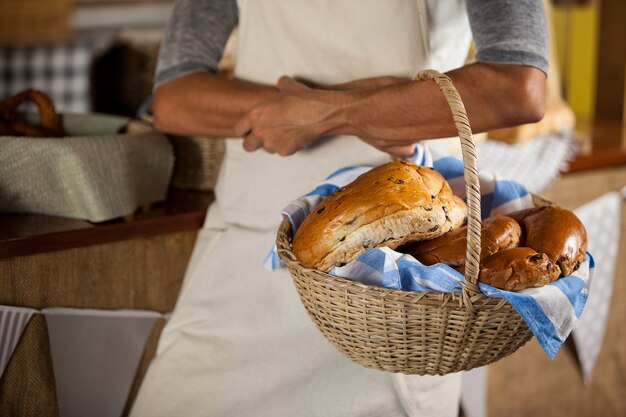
386,206
517,268
497,233
556,232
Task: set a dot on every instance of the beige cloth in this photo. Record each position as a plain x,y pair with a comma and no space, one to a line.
93,174
239,342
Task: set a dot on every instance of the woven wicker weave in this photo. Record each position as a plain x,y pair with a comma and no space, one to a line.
198,162
408,332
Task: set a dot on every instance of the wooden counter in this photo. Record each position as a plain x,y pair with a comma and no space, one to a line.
605,146
27,234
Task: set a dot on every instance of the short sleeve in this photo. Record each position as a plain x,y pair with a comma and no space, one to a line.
510,32
195,37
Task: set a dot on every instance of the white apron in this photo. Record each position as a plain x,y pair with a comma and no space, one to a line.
239,342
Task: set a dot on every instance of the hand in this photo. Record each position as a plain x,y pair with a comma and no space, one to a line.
299,115
393,149
288,122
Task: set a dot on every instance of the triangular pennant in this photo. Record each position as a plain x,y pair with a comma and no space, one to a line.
601,218
95,354
13,320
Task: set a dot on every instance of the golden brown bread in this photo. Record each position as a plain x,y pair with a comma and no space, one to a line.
497,233
386,206
556,232
554,242
517,268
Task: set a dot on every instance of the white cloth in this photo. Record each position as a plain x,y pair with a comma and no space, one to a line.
535,164
602,218
95,354
474,394
239,342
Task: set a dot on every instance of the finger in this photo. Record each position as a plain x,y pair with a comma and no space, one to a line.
289,84
402,151
252,143
243,126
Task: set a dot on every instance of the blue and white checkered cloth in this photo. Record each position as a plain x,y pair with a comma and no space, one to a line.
550,311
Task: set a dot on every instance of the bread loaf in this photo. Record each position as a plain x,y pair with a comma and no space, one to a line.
386,206
556,232
517,268
497,233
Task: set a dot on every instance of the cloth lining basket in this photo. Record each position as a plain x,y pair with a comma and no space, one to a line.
415,333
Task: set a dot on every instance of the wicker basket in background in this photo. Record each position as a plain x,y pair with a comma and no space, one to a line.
414,333
198,162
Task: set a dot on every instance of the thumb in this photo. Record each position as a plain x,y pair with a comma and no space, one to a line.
243,126
401,151
286,83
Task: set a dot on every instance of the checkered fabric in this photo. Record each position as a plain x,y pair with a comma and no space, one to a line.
60,70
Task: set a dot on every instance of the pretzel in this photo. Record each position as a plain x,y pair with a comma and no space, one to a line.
50,122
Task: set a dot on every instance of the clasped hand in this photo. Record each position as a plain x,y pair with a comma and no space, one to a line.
298,115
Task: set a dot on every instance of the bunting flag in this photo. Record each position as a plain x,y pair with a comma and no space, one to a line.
95,354
13,320
601,218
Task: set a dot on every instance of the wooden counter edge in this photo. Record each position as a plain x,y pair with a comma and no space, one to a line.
605,158
48,242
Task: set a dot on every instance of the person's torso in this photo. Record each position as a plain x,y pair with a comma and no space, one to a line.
327,42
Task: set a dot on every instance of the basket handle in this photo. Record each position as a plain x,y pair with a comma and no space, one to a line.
472,184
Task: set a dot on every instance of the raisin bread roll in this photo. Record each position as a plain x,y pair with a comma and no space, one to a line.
387,206
518,268
497,233
556,232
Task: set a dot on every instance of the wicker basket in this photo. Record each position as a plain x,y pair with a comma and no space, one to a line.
414,333
198,162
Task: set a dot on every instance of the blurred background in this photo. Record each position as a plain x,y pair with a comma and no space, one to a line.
102,223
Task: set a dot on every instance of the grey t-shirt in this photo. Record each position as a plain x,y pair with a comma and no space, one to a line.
504,31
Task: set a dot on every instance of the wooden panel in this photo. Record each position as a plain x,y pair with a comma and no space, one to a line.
131,274
611,60
24,22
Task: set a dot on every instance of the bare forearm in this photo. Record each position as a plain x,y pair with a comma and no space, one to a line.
495,96
205,104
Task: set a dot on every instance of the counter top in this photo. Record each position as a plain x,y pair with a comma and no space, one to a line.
604,146
27,234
